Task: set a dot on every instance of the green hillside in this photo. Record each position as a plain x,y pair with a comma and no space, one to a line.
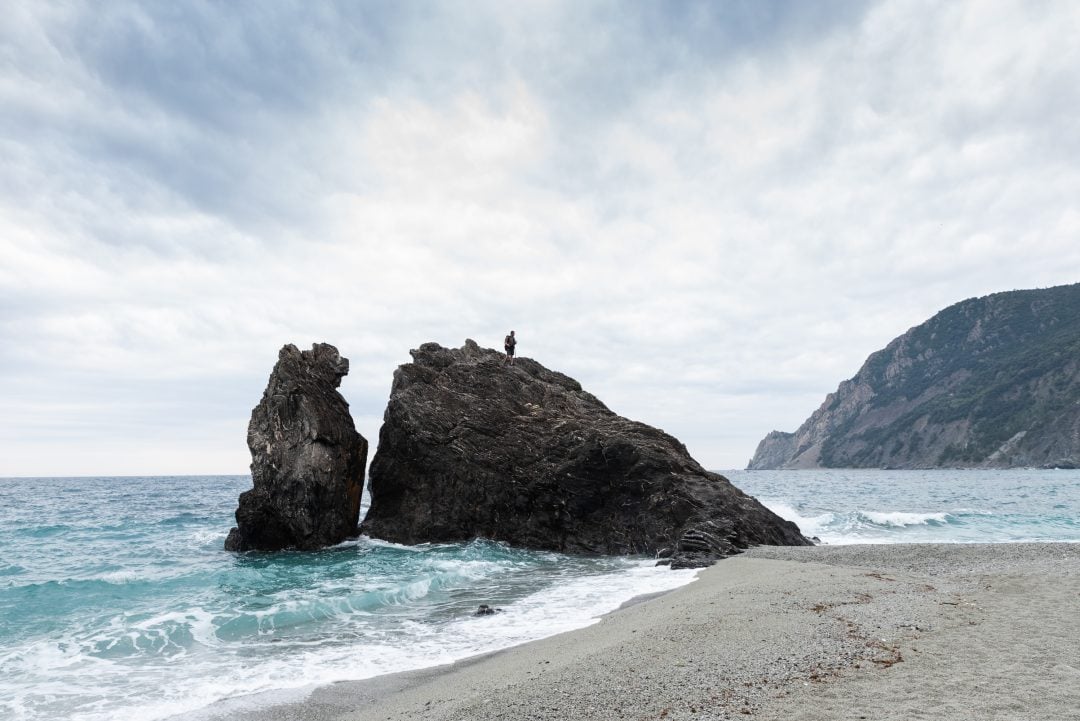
990,381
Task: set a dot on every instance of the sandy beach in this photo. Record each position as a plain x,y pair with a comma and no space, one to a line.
929,631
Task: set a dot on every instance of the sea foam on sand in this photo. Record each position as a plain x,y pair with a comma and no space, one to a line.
884,632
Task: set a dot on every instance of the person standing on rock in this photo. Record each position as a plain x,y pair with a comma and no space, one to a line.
509,343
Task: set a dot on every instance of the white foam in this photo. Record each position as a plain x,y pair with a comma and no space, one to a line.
900,519
573,603
857,526
809,525
162,661
376,542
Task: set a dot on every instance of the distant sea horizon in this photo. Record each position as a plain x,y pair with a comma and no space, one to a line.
118,600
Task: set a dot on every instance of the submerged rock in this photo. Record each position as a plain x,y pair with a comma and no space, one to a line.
307,460
470,448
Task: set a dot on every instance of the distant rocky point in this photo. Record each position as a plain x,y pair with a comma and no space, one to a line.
990,382
307,460
471,447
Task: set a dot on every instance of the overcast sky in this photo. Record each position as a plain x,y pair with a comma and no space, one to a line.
707,213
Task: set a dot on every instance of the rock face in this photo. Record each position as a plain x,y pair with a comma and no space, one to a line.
307,460
472,448
990,382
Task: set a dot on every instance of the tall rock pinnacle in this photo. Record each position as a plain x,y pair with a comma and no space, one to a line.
307,460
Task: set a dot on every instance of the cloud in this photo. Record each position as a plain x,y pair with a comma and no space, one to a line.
707,213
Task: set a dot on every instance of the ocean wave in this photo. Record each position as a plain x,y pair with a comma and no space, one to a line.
164,635
12,569
881,526
107,668
143,620
96,584
121,576
38,591
902,519
809,525
183,519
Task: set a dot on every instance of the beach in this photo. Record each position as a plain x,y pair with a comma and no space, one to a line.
894,631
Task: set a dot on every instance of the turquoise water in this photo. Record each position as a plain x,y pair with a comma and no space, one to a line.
947,506
118,602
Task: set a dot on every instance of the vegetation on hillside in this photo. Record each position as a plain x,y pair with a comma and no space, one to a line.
1001,364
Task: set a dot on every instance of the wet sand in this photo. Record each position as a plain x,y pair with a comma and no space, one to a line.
934,631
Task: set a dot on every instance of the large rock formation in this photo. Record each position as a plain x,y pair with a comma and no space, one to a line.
307,460
471,447
990,382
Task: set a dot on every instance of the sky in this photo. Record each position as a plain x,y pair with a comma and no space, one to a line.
708,213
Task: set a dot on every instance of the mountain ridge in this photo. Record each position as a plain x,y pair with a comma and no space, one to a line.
990,382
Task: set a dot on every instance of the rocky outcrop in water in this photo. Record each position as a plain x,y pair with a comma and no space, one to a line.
990,382
307,460
471,447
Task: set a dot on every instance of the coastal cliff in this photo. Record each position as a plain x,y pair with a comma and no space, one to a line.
307,460
991,382
471,447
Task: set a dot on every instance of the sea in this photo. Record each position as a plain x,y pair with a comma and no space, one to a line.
118,600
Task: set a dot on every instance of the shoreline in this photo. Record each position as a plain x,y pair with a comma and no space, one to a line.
892,631
334,700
